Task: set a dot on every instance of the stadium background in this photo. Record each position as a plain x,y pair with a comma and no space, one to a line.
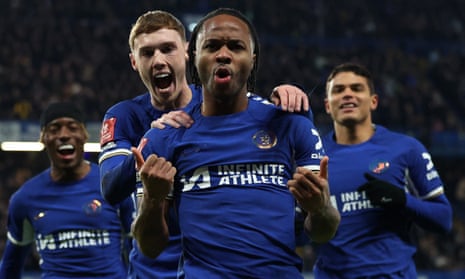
77,50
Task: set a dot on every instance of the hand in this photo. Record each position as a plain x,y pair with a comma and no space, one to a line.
382,193
311,190
157,175
291,98
175,118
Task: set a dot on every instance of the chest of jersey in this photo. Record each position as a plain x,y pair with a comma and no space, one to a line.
237,154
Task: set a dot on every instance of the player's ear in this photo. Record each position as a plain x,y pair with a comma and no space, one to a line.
133,61
328,111
374,101
186,51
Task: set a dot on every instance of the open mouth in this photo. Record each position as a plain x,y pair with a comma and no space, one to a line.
66,149
348,105
163,80
222,73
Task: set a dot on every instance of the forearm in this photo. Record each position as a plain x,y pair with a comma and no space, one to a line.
149,228
434,215
321,226
118,180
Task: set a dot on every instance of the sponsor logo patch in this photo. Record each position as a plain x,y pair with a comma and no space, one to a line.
93,208
107,133
264,139
379,166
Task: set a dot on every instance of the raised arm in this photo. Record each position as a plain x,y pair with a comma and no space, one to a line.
311,190
150,228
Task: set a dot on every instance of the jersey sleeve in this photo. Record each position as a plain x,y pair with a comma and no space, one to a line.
308,145
116,163
427,201
117,178
20,231
118,126
425,181
14,257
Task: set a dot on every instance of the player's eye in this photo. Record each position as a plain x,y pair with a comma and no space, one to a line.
147,52
235,45
357,87
338,89
211,45
168,48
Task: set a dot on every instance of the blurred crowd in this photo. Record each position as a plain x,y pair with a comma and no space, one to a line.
77,50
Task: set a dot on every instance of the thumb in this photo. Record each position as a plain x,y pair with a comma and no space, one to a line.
324,167
138,157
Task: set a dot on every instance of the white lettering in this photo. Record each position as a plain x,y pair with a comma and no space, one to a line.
235,174
45,242
350,196
200,178
73,239
358,205
432,175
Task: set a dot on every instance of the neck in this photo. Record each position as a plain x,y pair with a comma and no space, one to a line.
70,174
346,134
183,98
223,105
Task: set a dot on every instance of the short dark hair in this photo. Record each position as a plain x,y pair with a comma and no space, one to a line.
193,40
355,68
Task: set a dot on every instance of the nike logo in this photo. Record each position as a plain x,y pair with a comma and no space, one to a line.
39,215
385,200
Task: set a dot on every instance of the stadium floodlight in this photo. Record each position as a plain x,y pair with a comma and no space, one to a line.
38,146
92,147
21,146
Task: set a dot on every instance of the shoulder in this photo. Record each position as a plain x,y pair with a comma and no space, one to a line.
257,98
130,105
400,141
265,111
260,105
165,132
158,139
394,136
32,186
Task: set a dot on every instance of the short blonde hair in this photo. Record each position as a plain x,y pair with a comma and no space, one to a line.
152,21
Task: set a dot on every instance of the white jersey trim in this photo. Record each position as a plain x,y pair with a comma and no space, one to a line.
28,235
314,168
433,194
115,152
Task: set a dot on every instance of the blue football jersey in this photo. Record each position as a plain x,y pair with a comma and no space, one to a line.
234,208
75,231
371,240
123,126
